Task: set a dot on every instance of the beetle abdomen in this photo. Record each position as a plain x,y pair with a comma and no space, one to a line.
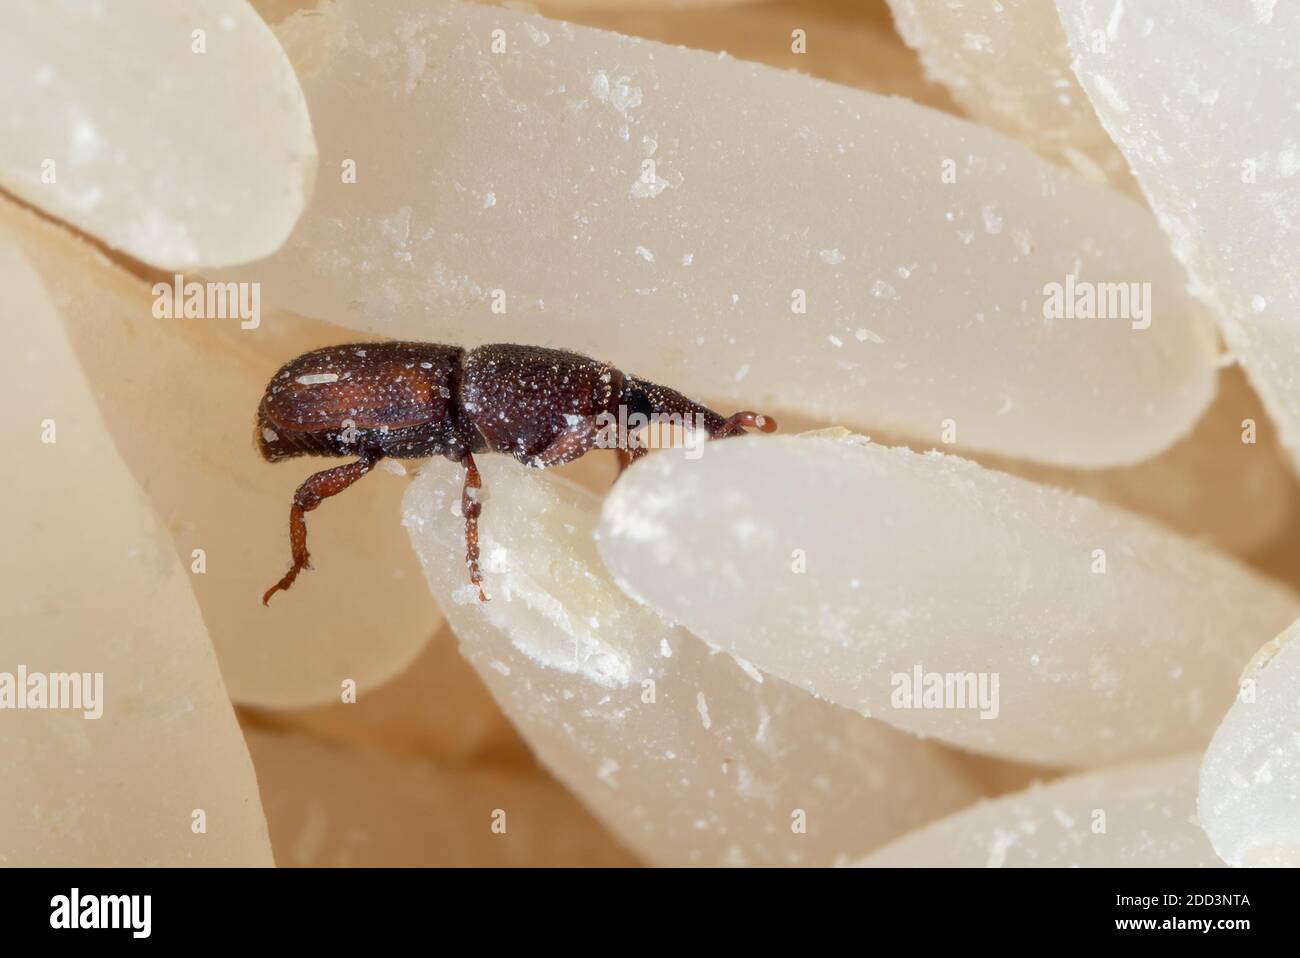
398,397
371,384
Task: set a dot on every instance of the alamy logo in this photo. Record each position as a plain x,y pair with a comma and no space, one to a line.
1081,299
640,431
920,689
193,300
82,691
75,910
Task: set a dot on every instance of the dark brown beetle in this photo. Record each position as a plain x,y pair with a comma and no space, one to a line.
545,407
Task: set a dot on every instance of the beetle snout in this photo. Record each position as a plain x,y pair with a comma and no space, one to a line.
736,424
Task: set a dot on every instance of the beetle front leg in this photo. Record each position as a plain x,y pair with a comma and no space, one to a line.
310,494
470,508
628,456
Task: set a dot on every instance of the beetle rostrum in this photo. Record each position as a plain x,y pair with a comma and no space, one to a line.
410,400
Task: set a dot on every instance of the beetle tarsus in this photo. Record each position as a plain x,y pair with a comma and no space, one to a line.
316,489
300,562
470,508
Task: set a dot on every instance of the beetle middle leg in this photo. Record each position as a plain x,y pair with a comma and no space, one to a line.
316,488
470,507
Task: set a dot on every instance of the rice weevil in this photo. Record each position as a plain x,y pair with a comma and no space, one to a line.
410,400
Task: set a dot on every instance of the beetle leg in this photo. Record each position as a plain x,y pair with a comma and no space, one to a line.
317,487
633,448
628,456
569,445
470,508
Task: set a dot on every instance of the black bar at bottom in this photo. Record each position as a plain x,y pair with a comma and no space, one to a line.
599,909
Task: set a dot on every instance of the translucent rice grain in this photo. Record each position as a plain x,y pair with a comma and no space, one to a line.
868,574
145,764
359,808
1250,779
180,398
176,133
892,188
1201,97
1136,816
1007,63
689,757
